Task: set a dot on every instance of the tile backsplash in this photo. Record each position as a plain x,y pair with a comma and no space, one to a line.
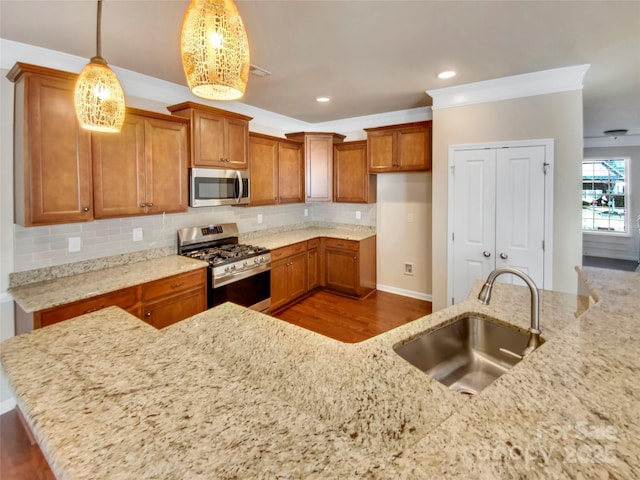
39,247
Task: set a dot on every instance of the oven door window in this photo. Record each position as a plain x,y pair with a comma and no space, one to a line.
246,292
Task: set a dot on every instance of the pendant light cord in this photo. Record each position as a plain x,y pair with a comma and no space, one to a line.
99,31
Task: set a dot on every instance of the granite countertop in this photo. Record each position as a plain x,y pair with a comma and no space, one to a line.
232,393
51,293
289,237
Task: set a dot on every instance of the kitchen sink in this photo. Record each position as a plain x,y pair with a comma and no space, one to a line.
467,354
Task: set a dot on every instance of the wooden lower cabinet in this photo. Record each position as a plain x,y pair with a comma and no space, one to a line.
175,298
343,266
159,303
350,266
288,274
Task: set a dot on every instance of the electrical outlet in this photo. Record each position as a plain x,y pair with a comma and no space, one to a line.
137,234
408,268
75,244
259,218
358,215
306,212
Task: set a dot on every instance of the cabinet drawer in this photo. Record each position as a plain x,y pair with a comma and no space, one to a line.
127,299
342,244
287,251
174,284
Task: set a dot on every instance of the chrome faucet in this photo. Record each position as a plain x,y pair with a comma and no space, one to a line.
534,331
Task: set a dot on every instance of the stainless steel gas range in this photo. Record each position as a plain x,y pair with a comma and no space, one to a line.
238,273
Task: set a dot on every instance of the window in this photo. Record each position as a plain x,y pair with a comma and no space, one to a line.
605,195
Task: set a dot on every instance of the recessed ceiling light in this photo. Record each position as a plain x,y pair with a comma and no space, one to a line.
258,72
322,99
447,74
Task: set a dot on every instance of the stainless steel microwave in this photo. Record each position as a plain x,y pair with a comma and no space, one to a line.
209,187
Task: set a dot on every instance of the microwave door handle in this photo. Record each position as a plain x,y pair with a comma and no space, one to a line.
240,186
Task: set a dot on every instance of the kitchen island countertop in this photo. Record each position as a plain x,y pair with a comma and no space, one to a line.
232,393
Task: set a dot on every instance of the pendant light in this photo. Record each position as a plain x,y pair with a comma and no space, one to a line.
215,50
99,98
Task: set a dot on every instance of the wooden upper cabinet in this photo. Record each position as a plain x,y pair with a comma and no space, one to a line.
52,153
352,182
219,139
399,148
277,170
318,154
143,168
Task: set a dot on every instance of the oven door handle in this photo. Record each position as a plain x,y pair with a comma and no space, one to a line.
240,188
233,277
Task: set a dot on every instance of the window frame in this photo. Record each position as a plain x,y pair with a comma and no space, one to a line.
627,196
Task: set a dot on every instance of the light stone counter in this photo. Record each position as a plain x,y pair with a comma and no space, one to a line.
232,393
277,239
58,291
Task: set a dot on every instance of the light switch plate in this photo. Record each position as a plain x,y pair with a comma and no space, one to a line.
358,215
259,218
75,244
306,212
137,234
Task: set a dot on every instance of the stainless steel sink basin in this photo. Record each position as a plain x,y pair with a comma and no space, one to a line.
467,354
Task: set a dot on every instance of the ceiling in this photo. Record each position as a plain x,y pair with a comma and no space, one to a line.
368,56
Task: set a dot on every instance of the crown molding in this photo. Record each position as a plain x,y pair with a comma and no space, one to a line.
505,88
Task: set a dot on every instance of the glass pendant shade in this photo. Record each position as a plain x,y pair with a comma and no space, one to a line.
99,98
215,50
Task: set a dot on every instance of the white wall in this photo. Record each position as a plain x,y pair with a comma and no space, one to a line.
557,116
618,246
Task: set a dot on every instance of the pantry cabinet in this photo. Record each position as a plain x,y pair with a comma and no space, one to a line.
52,153
276,169
160,302
318,155
219,139
352,182
399,148
289,277
143,168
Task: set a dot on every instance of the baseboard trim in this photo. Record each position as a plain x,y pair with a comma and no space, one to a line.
405,293
7,405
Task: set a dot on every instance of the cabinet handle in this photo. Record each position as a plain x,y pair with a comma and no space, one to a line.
355,258
150,204
94,309
143,205
486,253
148,314
85,209
504,256
176,285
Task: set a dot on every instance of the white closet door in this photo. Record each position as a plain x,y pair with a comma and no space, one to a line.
474,218
520,211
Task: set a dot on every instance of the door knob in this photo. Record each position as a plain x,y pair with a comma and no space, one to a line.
486,253
504,256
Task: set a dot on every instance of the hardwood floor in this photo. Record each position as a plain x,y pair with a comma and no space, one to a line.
352,320
346,319
19,459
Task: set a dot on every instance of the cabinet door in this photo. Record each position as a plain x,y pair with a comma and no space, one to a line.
297,276
319,168
237,143
208,140
290,173
166,162
52,154
263,165
313,266
413,144
352,182
118,170
380,150
166,312
279,296
341,270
